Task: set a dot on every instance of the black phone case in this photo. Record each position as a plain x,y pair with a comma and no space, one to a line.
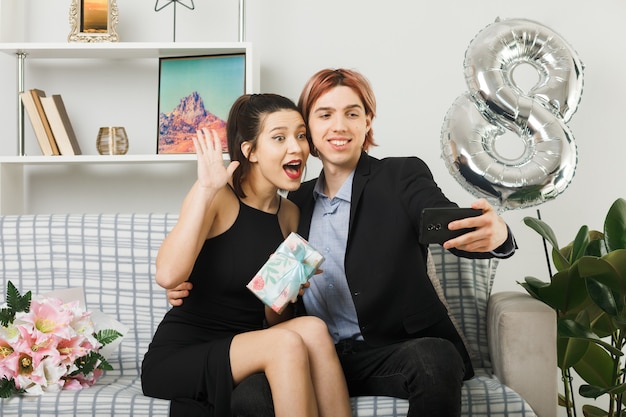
434,223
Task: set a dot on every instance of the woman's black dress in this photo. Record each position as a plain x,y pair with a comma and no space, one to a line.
188,360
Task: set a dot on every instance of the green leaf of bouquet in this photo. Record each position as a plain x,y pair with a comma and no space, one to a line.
8,388
85,364
17,302
615,226
107,336
6,316
104,364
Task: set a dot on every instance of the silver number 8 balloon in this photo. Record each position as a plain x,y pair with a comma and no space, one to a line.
495,104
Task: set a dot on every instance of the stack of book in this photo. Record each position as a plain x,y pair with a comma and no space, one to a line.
50,122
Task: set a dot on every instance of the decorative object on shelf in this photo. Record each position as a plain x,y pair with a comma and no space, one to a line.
32,101
61,125
196,92
93,21
48,344
158,8
496,104
112,141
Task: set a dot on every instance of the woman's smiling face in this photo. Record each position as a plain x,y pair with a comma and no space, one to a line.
281,149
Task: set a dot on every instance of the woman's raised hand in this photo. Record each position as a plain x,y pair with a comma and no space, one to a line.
211,170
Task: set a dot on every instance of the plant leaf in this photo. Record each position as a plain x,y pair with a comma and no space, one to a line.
8,388
566,291
579,246
603,297
615,226
546,232
17,302
605,280
593,411
107,336
570,351
6,316
596,368
572,329
85,364
104,364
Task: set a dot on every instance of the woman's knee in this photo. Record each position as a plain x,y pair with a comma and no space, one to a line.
288,343
312,329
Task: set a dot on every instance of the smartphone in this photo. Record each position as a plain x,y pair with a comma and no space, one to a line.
434,223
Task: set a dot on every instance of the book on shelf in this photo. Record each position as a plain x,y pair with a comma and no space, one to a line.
37,116
61,126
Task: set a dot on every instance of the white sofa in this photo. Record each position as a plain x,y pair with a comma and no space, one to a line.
512,336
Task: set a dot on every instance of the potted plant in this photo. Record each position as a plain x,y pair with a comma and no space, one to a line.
588,294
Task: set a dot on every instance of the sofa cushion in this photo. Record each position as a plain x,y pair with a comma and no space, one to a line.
481,396
467,285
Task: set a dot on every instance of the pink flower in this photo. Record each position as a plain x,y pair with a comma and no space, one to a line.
83,381
48,316
258,283
36,345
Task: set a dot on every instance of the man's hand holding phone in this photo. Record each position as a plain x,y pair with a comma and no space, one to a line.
475,229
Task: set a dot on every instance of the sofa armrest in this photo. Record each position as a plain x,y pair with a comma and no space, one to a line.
522,344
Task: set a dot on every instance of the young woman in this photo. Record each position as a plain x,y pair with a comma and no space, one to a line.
230,222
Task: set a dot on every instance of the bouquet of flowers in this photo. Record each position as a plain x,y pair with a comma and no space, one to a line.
48,345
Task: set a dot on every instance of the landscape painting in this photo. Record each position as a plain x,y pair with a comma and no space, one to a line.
196,92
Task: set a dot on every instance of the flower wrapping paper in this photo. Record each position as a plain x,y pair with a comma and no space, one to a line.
40,346
278,281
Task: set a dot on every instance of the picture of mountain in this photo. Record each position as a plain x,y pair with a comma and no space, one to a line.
196,92
177,127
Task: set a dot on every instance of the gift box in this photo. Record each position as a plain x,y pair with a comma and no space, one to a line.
278,281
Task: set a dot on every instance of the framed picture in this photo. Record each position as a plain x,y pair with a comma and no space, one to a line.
93,21
196,92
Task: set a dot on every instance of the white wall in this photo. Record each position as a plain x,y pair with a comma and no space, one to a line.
412,52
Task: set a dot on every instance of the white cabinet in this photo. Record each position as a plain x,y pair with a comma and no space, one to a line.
92,182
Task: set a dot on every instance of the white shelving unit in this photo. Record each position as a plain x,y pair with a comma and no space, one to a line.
14,169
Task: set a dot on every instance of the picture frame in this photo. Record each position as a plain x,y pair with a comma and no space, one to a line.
196,92
93,21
